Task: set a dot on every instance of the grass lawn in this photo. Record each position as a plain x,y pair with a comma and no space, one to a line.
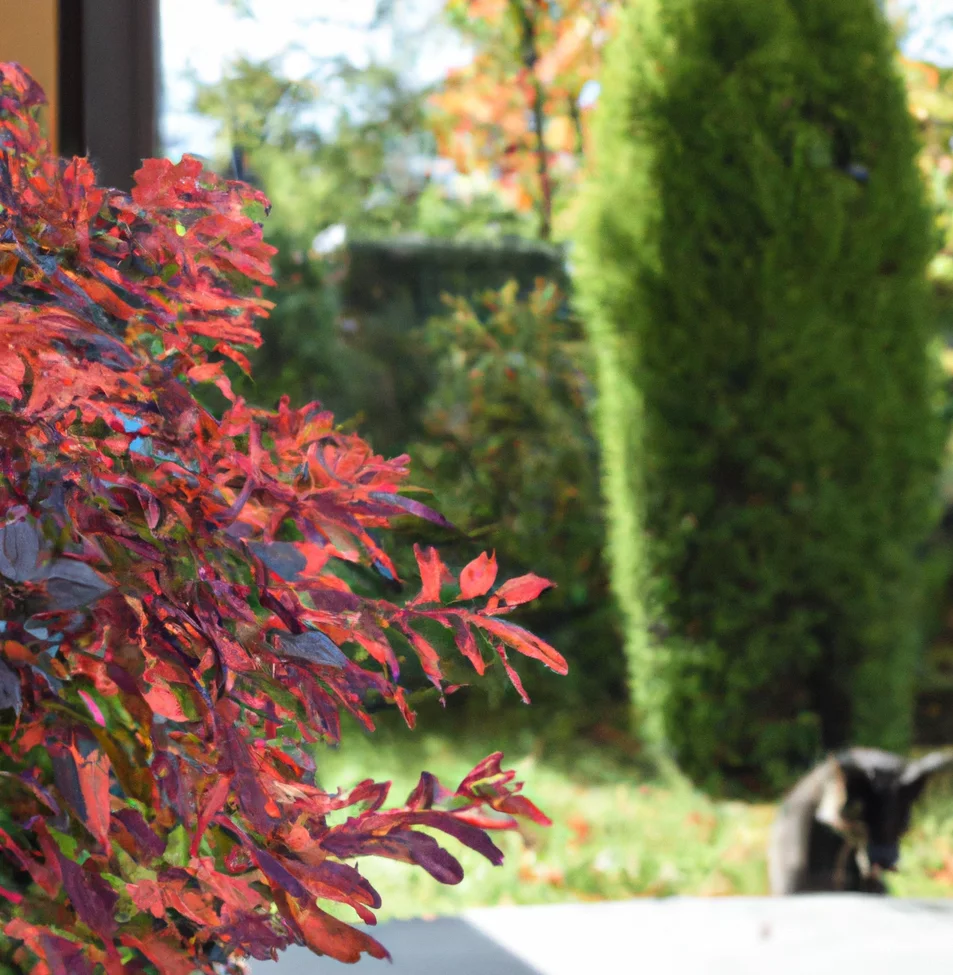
615,834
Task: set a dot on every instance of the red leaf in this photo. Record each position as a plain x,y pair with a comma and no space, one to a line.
477,577
428,656
340,882
466,644
163,702
523,589
522,640
147,896
327,935
214,801
167,957
205,372
521,806
12,374
432,573
513,676
11,895
487,773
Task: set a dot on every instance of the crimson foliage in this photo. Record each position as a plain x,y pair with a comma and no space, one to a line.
177,631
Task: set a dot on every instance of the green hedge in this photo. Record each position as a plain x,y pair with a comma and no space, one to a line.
751,266
415,271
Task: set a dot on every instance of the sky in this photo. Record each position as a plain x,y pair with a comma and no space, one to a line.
203,35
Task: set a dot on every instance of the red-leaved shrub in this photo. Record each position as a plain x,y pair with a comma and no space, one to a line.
176,631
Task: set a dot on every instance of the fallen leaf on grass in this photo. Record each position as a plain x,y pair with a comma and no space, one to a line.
581,830
945,874
531,872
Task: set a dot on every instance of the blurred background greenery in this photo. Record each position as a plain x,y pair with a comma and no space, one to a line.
760,565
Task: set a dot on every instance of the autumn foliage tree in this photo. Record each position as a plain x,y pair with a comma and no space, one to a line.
177,634
514,112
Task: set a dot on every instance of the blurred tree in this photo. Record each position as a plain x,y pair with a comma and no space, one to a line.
349,144
752,272
930,93
353,166
518,111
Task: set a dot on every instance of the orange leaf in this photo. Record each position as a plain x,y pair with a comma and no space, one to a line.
478,576
18,652
93,774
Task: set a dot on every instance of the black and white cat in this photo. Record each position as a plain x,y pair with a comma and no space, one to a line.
839,828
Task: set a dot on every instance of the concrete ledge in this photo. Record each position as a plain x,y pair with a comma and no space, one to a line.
820,934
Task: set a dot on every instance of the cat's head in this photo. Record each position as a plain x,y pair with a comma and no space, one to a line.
870,799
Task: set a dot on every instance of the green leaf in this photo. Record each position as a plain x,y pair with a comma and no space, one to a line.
65,842
177,847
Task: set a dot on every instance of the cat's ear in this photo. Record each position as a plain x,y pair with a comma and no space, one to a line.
917,773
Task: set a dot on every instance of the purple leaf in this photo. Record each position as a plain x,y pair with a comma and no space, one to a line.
64,957
334,601
66,777
71,584
407,846
256,935
19,550
426,852
275,871
10,696
251,796
92,898
346,878
468,835
43,794
313,646
282,558
414,507
141,832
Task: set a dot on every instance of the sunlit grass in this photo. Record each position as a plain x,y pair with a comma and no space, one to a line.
615,834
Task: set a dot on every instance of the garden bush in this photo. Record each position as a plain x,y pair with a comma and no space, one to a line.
179,638
751,268
510,455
